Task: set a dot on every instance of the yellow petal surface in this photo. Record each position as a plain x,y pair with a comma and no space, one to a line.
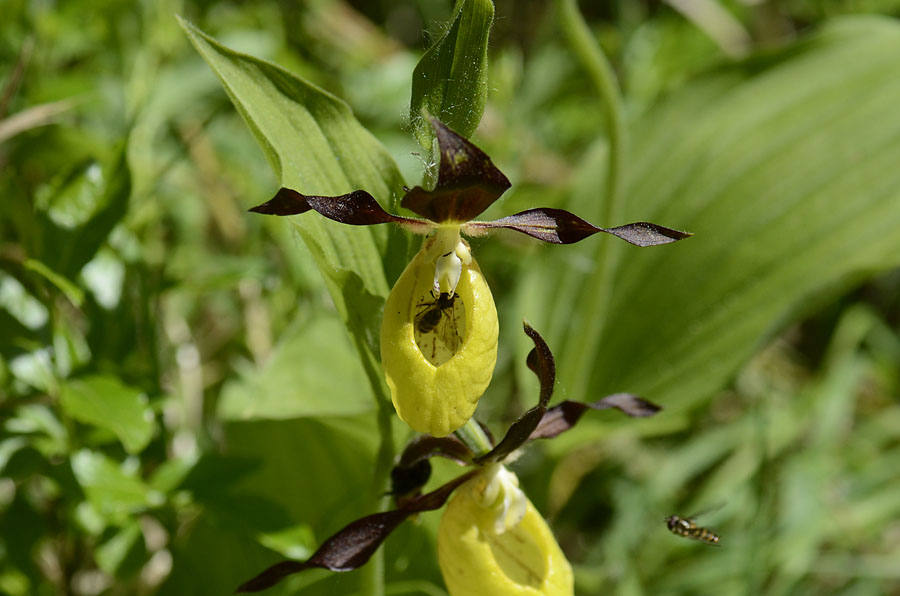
476,561
438,399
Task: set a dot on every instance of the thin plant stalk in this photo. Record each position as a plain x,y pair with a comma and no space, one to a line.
598,287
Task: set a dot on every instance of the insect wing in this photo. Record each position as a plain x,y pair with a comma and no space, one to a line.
447,331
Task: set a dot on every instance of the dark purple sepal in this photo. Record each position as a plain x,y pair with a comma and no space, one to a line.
426,446
644,233
541,362
357,208
413,469
559,226
468,181
565,415
351,547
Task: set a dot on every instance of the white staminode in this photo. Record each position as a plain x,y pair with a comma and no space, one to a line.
450,253
502,494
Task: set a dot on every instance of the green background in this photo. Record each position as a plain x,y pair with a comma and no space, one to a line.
189,392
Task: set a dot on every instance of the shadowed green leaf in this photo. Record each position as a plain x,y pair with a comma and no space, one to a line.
450,81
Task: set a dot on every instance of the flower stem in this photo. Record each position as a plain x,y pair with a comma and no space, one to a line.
599,286
372,573
601,74
474,437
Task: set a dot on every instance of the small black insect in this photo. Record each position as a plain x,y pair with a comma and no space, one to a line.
686,527
436,326
432,312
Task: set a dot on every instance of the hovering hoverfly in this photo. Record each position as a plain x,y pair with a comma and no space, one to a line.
437,326
686,527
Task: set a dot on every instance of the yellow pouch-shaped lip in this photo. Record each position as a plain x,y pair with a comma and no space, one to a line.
476,561
438,399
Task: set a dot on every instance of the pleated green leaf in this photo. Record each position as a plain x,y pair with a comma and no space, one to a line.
316,146
785,168
450,81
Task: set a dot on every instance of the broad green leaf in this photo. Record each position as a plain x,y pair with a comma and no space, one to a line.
316,146
313,371
105,402
113,491
785,169
450,81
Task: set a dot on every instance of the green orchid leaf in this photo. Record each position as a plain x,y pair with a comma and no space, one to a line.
316,146
450,81
785,169
107,403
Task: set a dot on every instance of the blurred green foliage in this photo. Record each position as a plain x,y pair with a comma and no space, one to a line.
179,404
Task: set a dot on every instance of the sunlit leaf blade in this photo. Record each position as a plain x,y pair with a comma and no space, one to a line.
786,171
540,360
352,546
450,81
468,181
105,402
558,226
357,208
314,143
565,415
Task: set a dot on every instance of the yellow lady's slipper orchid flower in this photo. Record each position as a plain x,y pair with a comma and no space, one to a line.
437,369
439,331
477,559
